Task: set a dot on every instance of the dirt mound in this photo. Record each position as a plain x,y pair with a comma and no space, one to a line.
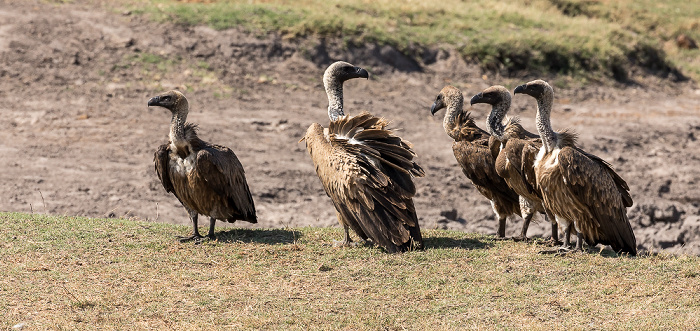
78,139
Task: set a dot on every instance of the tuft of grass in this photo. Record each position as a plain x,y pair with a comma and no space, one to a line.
72,272
587,38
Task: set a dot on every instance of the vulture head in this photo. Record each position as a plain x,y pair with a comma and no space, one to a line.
340,71
448,96
495,95
536,89
171,100
499,98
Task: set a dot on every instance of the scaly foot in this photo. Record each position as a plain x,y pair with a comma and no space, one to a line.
521,238
196,237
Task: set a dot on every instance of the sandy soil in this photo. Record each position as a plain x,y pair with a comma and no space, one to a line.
78,139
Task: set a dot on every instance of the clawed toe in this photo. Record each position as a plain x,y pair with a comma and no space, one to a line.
552,243
521,238
196,237
561,251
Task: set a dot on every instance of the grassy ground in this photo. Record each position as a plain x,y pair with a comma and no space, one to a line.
66,272
585,38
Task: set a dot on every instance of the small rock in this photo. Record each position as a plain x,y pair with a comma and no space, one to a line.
670,214
685,42
669,238
665,187
449,214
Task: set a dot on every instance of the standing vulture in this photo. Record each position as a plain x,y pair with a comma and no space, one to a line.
515,155
365,169
208,179
471,149
578,187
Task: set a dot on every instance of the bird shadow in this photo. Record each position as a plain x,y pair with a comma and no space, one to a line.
447,242
262,236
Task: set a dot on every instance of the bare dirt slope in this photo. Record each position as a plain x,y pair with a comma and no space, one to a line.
78,139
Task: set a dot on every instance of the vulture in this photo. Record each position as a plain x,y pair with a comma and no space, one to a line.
208,179
515,152
578,187
365,169
471,149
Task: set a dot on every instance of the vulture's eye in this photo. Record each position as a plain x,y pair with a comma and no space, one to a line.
166,98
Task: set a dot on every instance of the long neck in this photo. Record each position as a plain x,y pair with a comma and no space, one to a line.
177,126
495,120
334,90
454,108
544,127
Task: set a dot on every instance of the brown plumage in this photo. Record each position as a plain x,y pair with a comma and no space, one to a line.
578,187
366,170
471,148
515,153
208,179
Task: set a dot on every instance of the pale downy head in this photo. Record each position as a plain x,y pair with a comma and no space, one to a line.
499,98
172,100
341,71
544,94
537,89
448,96
496,95
333,79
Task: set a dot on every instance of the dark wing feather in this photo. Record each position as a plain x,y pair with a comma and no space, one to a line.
620,183
369,181
529,155
161,158
478,165
219,167
591,183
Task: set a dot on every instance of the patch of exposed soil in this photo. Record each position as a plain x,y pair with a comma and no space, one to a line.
78,139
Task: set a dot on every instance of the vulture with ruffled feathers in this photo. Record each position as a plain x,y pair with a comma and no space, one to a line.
471,149
208,179
365,169
515,153
579,188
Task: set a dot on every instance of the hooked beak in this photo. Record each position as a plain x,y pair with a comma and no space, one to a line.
477,98
362,73
519,89
154,101
437,105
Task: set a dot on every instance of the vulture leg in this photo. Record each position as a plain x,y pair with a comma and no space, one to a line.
566,246
212,223
195,232
564,250
554,240
347,241
501,227
567,238
579,242
523,232
527,210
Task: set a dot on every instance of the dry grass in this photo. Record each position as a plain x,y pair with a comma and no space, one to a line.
65,272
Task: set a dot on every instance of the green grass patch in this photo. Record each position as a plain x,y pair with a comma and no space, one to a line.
147,61
585,38
70,272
